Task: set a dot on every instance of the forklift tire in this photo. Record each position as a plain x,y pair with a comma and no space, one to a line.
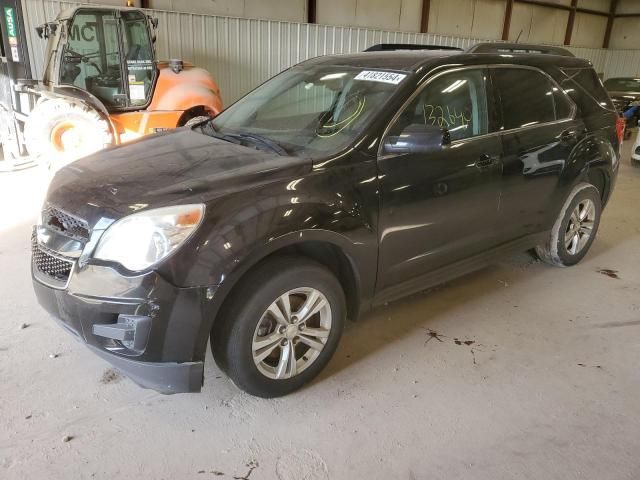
58,132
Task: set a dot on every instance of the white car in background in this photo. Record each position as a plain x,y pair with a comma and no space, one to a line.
635,151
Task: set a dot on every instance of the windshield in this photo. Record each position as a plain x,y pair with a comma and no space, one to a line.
622,84
308,111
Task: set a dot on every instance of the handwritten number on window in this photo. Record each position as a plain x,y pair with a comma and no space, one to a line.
445,117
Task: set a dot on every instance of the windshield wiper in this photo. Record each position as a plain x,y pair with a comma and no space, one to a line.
213,132
270,144
239,137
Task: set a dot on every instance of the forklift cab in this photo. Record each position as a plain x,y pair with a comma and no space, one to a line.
108,53
101,85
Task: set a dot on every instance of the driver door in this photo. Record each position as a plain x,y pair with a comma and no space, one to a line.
440,206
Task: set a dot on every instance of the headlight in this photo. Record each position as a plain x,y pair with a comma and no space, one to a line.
143,239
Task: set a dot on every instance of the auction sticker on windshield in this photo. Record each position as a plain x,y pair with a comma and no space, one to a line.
377,76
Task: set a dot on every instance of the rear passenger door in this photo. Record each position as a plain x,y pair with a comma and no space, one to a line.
539,133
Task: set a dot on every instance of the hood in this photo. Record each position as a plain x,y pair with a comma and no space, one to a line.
181,166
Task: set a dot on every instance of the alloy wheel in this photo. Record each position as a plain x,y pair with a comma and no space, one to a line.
291,333
580,226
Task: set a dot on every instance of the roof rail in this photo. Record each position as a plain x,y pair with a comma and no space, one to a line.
407,46
497,47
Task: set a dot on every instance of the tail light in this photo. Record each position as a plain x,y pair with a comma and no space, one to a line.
620,124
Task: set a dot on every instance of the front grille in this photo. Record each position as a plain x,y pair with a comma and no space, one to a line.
51,266
65,223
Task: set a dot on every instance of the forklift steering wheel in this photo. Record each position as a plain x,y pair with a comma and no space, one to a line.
84,58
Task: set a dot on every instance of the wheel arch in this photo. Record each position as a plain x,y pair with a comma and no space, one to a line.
592,161
195,111
599,178
327,248
74,94
77,96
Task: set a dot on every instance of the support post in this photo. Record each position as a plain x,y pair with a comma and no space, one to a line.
507,20
311,11
570,22
613,6
424,21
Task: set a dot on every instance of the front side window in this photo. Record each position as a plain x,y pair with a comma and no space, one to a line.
309,111
139,57
455,101
529,98
91,57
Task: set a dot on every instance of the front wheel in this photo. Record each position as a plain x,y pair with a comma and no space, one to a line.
281,327
575,228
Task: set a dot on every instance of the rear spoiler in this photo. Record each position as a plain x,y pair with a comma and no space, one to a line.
381,47
496,47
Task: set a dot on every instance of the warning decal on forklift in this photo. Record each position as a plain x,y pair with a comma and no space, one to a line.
136,91
12,32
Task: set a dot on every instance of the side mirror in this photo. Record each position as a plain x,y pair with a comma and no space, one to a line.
418,138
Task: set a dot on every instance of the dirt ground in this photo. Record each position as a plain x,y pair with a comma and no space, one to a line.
519,371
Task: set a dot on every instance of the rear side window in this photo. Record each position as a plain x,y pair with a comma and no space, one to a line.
529,98
586,89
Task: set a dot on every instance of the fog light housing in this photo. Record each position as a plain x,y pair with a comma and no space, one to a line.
131,331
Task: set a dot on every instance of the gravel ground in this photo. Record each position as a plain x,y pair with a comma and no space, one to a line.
519,371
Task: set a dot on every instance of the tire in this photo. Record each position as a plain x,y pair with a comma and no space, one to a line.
245,320
563,249
58,132
197,120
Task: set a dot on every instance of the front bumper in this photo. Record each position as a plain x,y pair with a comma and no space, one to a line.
169,357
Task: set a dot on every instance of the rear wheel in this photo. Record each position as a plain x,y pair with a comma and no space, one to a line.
575,228
281,326
58,132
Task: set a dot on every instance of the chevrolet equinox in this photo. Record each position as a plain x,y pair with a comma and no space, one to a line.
344,182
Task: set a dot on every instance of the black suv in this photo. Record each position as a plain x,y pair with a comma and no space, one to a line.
344,182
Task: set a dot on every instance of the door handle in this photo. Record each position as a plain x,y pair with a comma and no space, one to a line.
485,161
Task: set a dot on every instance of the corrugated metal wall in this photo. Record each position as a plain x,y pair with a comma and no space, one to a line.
623,63
241,53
